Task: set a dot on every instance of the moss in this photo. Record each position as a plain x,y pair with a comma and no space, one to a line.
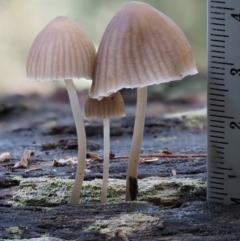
44,191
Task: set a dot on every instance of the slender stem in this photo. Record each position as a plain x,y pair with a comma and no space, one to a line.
81,135
106,135
131,188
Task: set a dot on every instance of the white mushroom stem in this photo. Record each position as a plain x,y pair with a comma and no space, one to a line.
106,134
81,135
131,188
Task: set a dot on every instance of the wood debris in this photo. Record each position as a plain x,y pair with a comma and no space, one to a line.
73,161
166,151
65,162
119,234
160,224
148,160
174,173
71,144
94,157
48,146
5,157
111,155
23,163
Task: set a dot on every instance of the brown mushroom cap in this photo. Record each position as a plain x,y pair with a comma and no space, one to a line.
61,51
108,107
140,46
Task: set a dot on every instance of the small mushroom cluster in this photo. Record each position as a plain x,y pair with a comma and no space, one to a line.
140,46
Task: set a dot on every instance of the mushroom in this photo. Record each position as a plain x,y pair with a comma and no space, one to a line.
140,47
62,51
106,108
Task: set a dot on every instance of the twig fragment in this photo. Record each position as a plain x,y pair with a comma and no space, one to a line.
148,160
33,169
144,158
160,155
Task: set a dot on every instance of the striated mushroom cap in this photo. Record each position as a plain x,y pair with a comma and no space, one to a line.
140,46
61,51
108,107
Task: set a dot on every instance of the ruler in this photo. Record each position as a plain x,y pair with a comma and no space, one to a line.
223,101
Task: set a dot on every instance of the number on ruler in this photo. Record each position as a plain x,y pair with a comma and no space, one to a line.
234,124
235,71
236,16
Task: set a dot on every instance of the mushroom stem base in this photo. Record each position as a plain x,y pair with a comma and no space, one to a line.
106,133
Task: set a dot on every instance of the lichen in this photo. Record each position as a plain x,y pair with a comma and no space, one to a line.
195,119
44,191
191,119
167,191
128,223
15,232
166,139
40,239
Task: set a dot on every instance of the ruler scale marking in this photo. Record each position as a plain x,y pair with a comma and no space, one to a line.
217,78
223,100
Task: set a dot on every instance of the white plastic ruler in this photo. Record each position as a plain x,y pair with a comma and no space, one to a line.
223,101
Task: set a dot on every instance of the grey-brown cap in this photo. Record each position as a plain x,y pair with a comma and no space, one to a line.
140,46
61,51
108,107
